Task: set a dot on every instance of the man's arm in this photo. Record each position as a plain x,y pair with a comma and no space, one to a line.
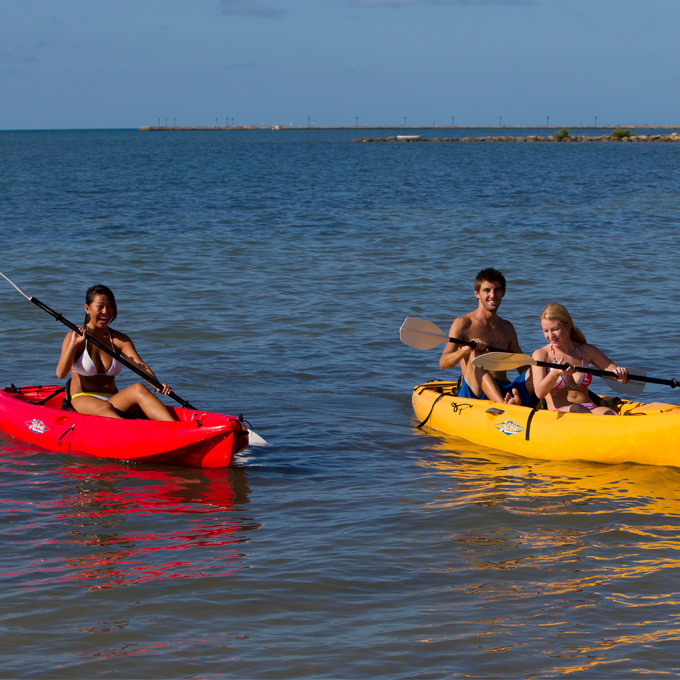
453,353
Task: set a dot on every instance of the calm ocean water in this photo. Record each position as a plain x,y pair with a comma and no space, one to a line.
268,273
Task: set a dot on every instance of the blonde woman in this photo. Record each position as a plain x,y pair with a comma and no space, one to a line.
567,390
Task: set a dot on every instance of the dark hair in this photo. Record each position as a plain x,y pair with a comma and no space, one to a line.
491,275
92,293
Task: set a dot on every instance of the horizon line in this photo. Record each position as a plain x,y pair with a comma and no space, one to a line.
279,127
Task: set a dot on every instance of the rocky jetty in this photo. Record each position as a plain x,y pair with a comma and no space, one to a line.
673,137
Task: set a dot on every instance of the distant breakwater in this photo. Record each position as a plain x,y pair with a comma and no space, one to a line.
673,137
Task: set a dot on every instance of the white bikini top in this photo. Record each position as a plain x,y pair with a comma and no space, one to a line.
84,365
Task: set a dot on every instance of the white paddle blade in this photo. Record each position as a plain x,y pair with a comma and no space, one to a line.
254,439
15,285
502,361
632,387
421,333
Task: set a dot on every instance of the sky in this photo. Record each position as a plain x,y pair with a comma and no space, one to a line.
69,64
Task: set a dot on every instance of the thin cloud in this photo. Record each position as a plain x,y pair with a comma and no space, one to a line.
406,3
16,59
251,8
384,3
13,65
242,66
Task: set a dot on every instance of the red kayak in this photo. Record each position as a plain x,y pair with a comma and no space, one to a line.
33,414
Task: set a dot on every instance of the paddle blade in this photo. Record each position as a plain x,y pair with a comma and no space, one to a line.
502,361
254,439
15,285
632,387
421,333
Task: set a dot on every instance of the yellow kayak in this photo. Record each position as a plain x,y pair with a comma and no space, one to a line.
643,433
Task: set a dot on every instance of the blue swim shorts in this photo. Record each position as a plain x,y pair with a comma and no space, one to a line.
505,386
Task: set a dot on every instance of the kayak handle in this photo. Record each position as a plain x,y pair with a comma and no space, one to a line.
495,411
64,433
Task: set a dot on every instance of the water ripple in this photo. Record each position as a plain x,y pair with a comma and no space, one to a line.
268,275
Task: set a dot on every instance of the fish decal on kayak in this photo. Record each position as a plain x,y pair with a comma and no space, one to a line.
508,427
37,426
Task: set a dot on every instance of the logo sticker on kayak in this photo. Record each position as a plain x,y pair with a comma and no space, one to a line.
37,426
508,427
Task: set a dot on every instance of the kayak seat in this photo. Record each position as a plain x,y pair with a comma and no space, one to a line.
66,404
613,403
42,402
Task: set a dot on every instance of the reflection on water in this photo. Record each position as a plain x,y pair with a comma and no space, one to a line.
99,489
485,476
102,513
582,556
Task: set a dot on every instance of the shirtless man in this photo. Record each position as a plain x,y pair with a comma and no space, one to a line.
486,328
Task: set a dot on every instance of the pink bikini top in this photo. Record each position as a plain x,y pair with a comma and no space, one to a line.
583,382
84,365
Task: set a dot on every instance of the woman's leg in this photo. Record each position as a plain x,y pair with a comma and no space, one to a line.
574,408
139,395
598,410
92,406
603,411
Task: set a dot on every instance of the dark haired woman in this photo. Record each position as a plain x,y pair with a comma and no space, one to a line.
93,385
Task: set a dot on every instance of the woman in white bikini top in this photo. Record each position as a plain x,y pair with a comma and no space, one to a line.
84,365
93,385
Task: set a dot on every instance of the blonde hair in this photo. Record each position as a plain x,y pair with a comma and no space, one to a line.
557,312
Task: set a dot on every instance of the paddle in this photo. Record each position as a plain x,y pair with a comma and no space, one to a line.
503,361
423,334
256,439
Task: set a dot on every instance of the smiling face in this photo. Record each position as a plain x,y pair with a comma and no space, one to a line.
490,294
556,332
100,312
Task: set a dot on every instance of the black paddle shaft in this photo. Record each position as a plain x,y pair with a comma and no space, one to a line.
108,350
473,344
610,374
672,382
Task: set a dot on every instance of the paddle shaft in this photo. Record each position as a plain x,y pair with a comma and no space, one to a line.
595,371
143,374
422,327
609,374
473,344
